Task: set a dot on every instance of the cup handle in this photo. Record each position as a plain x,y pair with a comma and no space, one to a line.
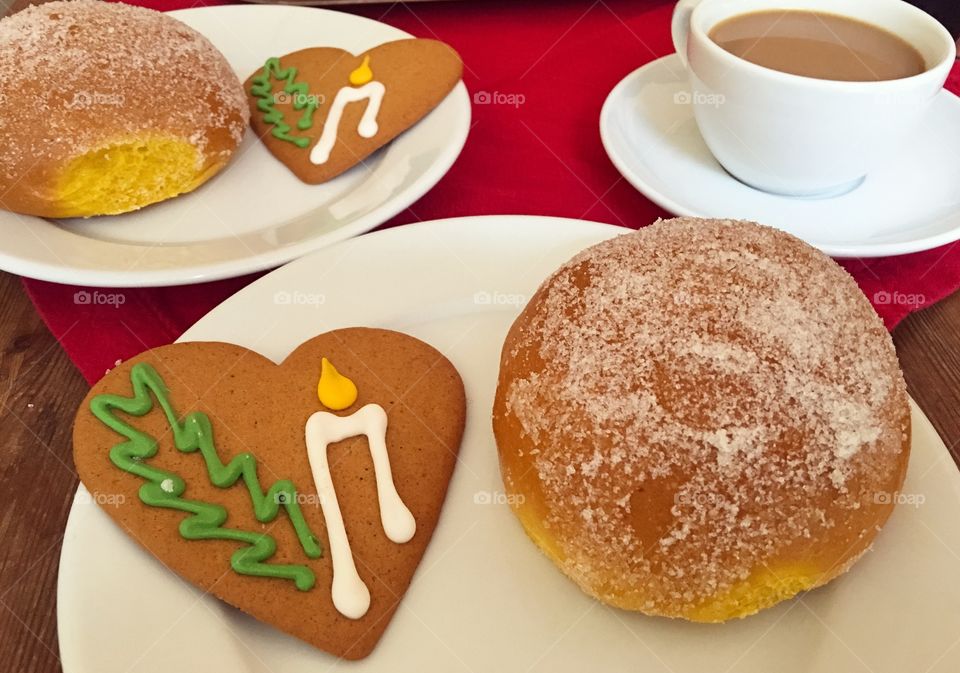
680,26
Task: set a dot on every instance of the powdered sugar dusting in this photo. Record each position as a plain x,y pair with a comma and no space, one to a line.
724,363
80,75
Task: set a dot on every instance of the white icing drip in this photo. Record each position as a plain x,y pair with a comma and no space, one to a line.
350,595
367,128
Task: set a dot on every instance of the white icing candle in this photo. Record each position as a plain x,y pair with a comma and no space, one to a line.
350,595
372,92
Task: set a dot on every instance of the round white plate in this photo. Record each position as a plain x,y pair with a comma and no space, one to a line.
484,598
911,204
256,214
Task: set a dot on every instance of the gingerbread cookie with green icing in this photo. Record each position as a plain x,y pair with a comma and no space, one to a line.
304,493
323,110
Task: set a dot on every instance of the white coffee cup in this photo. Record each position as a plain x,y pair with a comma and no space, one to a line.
802,136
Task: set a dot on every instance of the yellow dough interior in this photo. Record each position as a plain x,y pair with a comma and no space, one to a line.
764,588
128,175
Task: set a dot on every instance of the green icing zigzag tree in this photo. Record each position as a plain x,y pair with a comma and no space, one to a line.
164,489
262,89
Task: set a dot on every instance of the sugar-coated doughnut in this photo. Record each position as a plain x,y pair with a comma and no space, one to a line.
701,419
106,108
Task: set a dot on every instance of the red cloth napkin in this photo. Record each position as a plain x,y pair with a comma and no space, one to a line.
540,157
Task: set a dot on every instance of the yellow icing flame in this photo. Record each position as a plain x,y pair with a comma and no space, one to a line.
362,74
335,390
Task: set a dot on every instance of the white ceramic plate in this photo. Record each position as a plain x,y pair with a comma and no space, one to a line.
911,204
484,598
256,214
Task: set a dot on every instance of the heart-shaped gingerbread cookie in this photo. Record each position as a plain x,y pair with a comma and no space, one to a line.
303,493
322,110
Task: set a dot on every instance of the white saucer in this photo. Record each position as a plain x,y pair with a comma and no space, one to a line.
255,214
484,598
912,204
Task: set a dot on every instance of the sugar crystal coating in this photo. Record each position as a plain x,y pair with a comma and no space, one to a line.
726,366
75,75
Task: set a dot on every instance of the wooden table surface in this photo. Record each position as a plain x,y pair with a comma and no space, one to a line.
40,390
